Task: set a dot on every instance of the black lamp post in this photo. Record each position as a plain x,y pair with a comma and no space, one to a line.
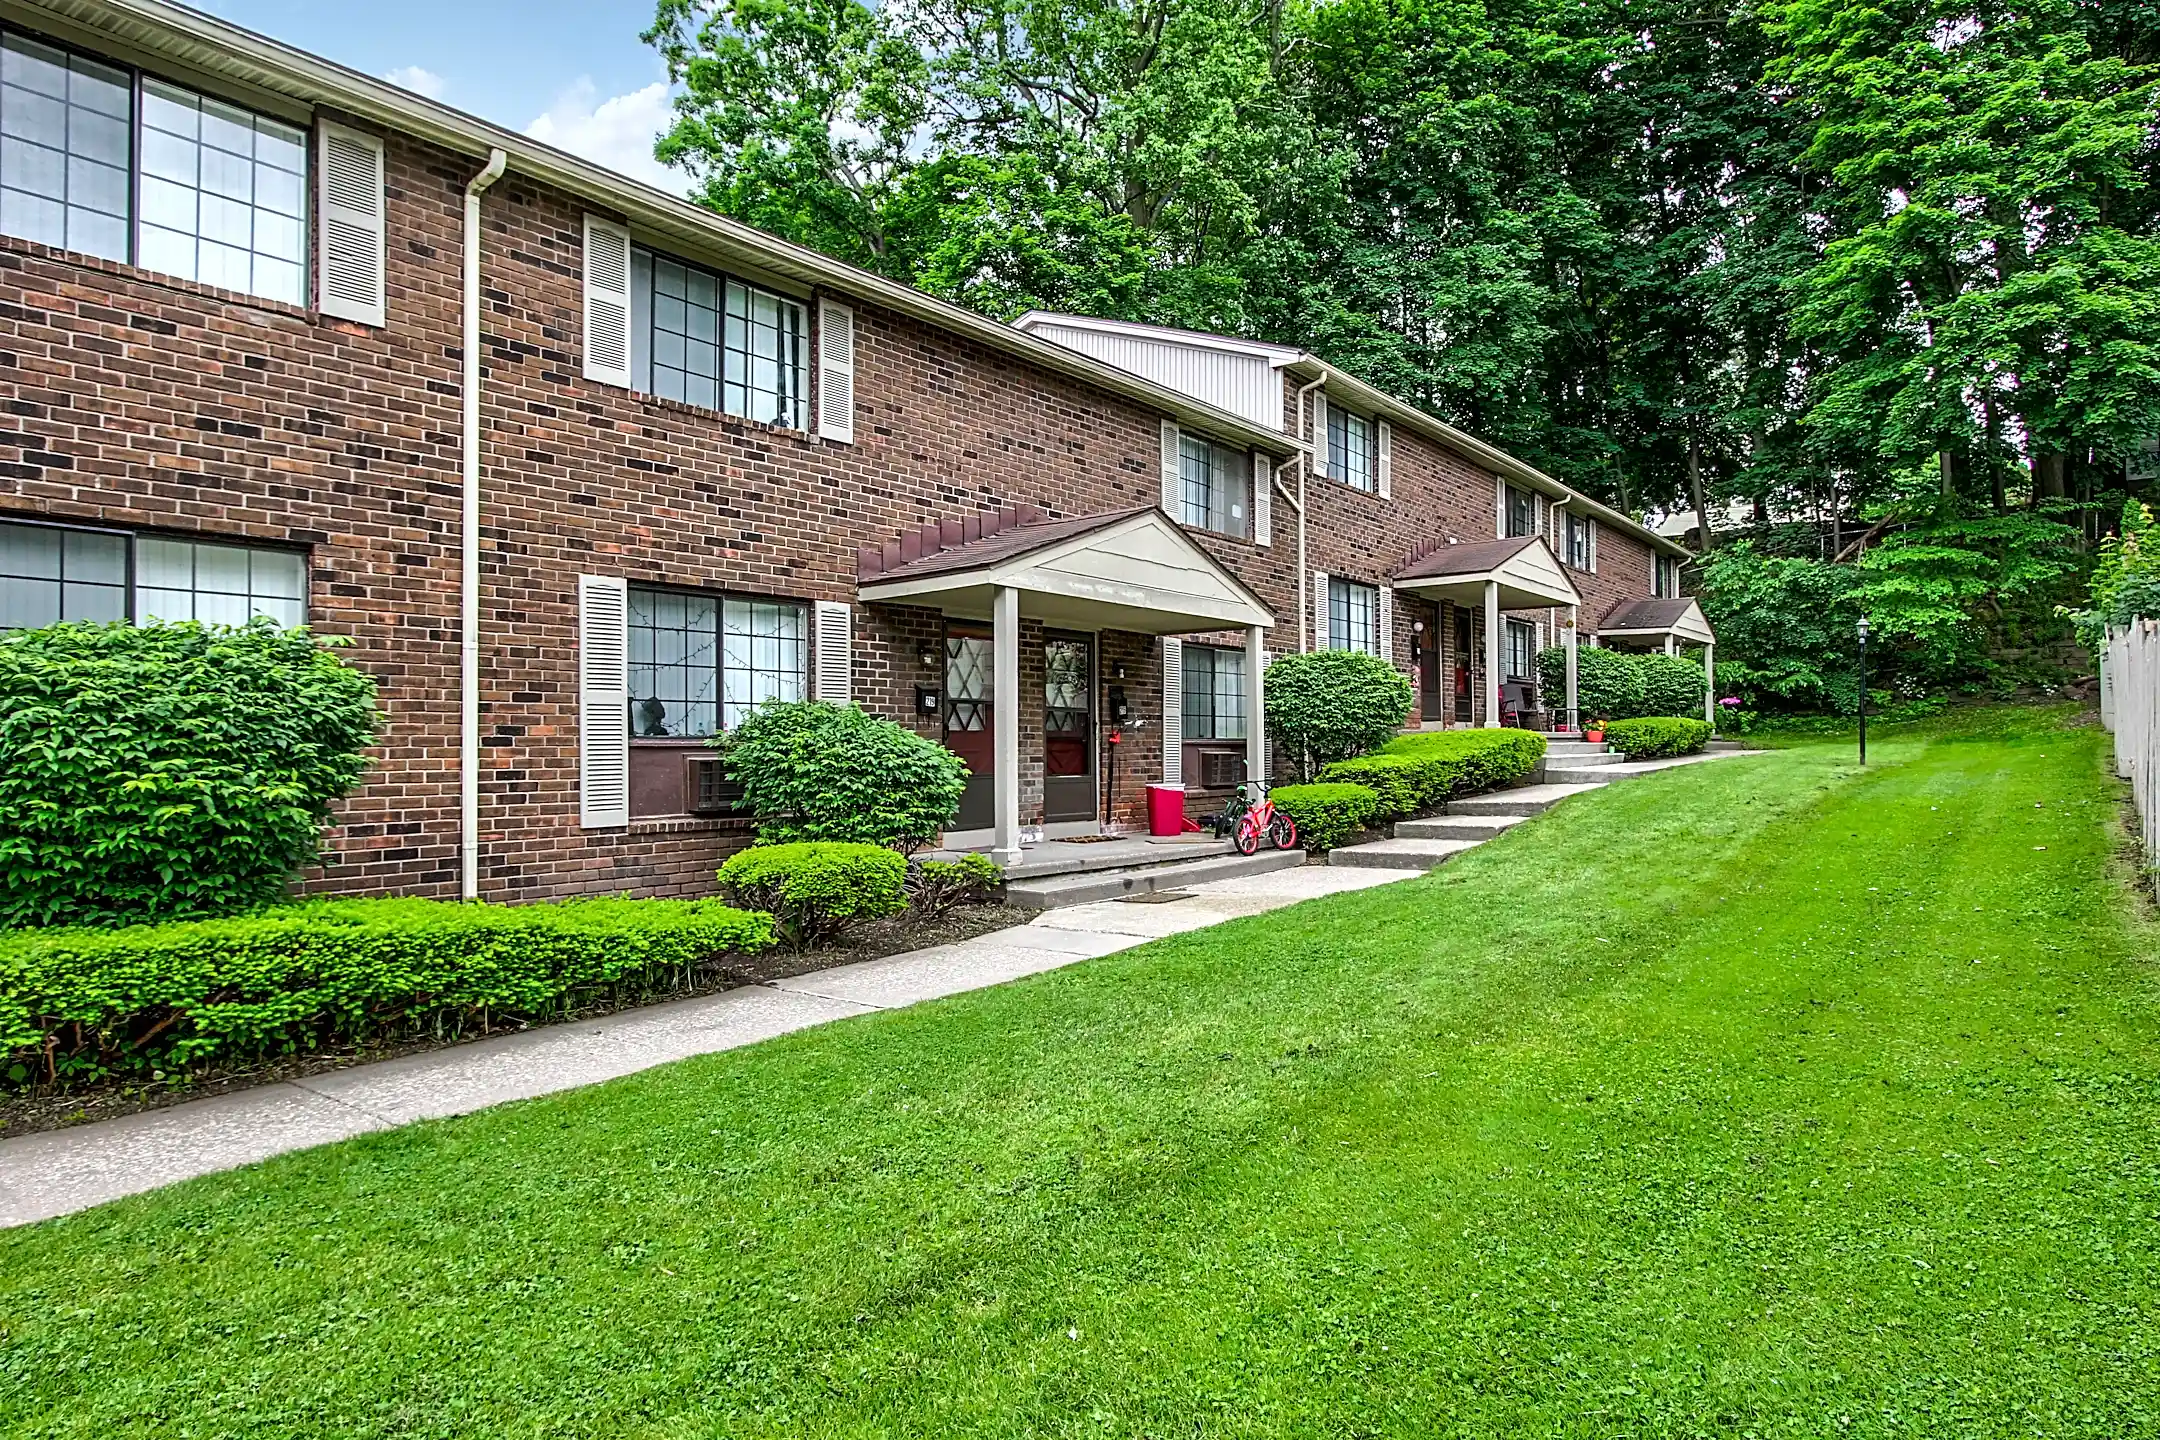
1863,689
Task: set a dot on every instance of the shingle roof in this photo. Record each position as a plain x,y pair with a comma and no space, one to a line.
1646,614
1010,543
1473,559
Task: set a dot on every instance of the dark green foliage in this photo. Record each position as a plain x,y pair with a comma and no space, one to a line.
1608,684
1654,737
816,771
1672,685
936,886
77,1004
159,771
1326,814
1415,772
816,889
1327,705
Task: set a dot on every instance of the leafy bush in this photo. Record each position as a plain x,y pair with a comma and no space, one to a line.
816,771
1473,760
79,1003
1654,737
1326,814
161,771
816,889
936,886
1401,784
1608,684
1671,685
1328,705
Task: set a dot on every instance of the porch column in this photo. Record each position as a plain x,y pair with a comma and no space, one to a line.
1005,722
1493,661
1709,684
1672,644
1256,755
1574,711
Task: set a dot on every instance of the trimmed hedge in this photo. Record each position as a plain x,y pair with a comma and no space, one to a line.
1416,771
1616,685
80,1004
168,772
817,889
1326,814
1655,737
1671,685
811,770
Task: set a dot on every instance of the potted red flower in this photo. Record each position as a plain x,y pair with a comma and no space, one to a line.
1594,732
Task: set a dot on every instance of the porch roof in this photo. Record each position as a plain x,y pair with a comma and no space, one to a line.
1529,575
1653,619
1133,570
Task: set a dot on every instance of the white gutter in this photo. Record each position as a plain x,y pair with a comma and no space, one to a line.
469,535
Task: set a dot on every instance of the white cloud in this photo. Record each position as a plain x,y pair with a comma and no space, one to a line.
617,132
419,80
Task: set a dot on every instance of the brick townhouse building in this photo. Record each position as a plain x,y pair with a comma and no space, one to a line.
582,472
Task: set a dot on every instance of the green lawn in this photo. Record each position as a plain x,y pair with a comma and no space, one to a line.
1761,1098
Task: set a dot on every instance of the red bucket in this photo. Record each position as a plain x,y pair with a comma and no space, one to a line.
1166,809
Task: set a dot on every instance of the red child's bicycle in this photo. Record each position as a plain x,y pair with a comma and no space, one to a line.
1250,823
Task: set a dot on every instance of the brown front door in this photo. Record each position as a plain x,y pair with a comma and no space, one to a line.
1068,728
968,730
1463,645
1430,690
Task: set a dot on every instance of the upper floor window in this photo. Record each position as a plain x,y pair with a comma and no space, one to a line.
223,191
700,661
1521,650
1580,545
1353,616
51,573
1665,577
1350,449
1519,511
706,339
1214,693
1216,483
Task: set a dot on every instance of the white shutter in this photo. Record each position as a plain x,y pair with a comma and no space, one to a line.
1591,526
351,239
1173,712
836,372
1263,500
1319,432
1172,472
1385,607
1384,460
607,302
835,650
603,702
1319,610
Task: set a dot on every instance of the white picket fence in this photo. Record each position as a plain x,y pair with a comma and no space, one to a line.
2130,707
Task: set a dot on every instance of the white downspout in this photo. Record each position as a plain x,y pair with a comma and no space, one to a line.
1554,526
1304,575
469,563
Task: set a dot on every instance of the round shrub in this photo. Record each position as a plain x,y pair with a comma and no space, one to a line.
936,886
1671,685
816,890
816,771
168,771
1327,705
1608,684
1326,815
1401,784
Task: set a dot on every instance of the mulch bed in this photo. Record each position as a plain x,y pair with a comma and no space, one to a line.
33,1114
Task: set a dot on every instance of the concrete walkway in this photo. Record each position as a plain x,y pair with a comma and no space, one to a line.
68,1170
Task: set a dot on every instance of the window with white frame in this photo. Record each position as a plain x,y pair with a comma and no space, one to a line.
1665,581
51,573
1521,650
1519,513
699,661
1214,693
1350,449
1353,616
711,340
1215,486
108,162
1578,539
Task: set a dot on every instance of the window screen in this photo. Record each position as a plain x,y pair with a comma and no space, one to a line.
707,340
223,195
64,149
1353,616
48,574
1214,486
1350,449
218,584
1214,693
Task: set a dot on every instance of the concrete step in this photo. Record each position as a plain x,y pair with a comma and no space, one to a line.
1554,748
1525,800
1456,827
1400,853
1724,745
1055,892
1573,774
1593,757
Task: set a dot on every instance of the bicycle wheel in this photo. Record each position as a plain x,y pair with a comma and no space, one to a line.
1248,838
1282,832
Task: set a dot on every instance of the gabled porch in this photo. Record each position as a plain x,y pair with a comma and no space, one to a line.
1665,623
1078,607
1520,573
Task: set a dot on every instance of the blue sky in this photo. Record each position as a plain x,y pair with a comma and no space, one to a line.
574,75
